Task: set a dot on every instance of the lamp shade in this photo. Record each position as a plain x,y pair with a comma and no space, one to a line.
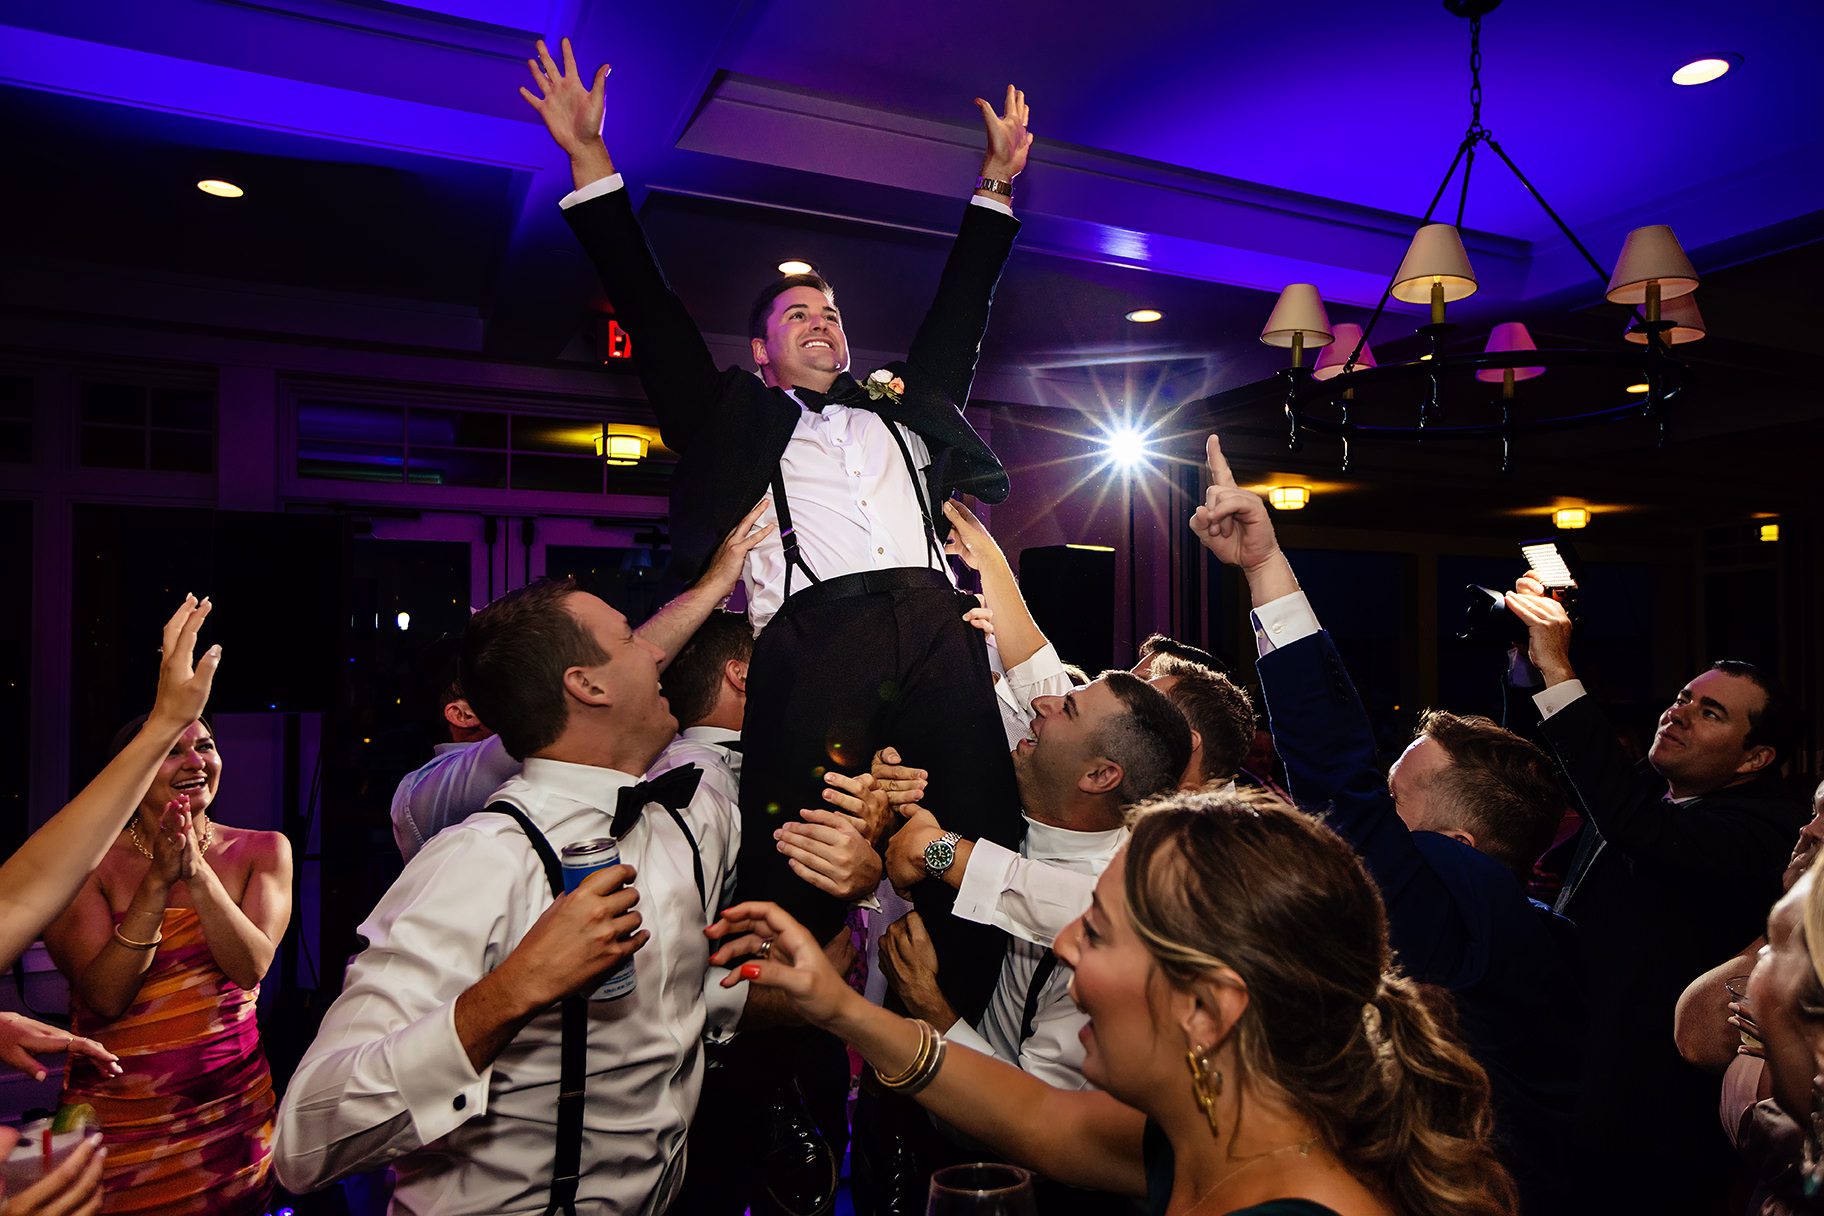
620,449
1435,255
1299,310
1344,337
1505,337
1651,255
1289,498
1687,322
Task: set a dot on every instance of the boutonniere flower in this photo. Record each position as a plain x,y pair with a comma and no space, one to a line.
883,383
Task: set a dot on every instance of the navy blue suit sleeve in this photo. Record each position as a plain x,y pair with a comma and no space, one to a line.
1324,739
676,369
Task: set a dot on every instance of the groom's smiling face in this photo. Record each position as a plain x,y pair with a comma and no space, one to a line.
804,345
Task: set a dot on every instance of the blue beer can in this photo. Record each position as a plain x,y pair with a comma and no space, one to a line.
580,860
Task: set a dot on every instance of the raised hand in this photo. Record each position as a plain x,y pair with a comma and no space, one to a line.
1233,523
724,569
795,964
183,681
1548,629
571,109
1008,137
20,1036
969,540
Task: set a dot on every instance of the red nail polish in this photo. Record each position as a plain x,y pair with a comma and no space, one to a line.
750,971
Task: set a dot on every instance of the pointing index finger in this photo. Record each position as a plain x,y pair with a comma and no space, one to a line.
1219,465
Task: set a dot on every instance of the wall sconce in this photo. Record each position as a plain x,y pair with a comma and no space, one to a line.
1571,518
1289,498
620,449
1770,533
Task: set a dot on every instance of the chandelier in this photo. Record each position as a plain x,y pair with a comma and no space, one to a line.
1346,394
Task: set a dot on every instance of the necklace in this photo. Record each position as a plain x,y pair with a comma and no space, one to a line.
202,845
1304,1150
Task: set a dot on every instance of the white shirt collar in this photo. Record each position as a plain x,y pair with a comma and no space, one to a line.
710,734
1045,842
584,783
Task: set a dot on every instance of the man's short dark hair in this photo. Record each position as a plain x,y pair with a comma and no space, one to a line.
514,655
1504,789
1777,723
694,677
1159,644
763,303
1217,708
1151,741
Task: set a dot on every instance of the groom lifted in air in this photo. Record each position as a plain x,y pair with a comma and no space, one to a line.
861,642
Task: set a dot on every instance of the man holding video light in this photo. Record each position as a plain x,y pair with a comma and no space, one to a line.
1678,862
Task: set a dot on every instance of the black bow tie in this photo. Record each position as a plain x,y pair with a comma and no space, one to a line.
845,391
672,790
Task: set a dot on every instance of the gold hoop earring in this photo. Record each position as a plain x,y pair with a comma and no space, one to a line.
1206,1084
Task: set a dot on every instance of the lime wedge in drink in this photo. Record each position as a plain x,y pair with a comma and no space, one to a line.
74,1117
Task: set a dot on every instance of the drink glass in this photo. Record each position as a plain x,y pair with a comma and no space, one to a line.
1737,988
26,1163
579,861
982,1189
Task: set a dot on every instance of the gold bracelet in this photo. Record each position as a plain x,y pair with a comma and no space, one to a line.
930,1073
927,1036
995,185
130,944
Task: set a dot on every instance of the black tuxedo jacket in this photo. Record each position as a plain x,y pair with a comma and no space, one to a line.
1673,890
729,429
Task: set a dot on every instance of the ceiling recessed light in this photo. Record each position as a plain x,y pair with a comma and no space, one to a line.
794,266
1638,388
219,188
1706,69
1145,316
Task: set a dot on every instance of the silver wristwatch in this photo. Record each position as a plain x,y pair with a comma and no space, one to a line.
940,854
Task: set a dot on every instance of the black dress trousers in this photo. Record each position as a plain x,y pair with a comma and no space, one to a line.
846,667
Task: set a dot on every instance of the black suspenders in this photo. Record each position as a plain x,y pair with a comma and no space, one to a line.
788,537
566,1170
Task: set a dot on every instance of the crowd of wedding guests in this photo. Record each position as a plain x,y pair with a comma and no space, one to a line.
694,911
1210,996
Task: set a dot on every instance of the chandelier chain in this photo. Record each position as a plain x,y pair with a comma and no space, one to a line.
1475,76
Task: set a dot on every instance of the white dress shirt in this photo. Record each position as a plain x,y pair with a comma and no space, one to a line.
1052,1053
387,1079
451,785
853,506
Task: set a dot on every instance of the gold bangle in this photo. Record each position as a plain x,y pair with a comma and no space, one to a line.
930,1073
928,1039
130,944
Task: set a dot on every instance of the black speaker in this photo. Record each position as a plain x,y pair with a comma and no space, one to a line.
277,583
1071,591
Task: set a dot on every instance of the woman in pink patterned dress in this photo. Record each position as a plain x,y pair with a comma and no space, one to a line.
165,947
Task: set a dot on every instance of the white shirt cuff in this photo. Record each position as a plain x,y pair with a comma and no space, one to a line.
964,1035
993,204
1557,697
436,1082
990,870
1283,621
597,188
722,1007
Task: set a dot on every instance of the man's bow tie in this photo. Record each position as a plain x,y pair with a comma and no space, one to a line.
845,391
672,790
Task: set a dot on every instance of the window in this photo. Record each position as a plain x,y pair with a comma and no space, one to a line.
458,446
168,428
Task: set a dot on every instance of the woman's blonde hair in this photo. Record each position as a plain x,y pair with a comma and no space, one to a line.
1247,883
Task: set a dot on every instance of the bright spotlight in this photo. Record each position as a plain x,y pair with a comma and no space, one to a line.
1126,447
